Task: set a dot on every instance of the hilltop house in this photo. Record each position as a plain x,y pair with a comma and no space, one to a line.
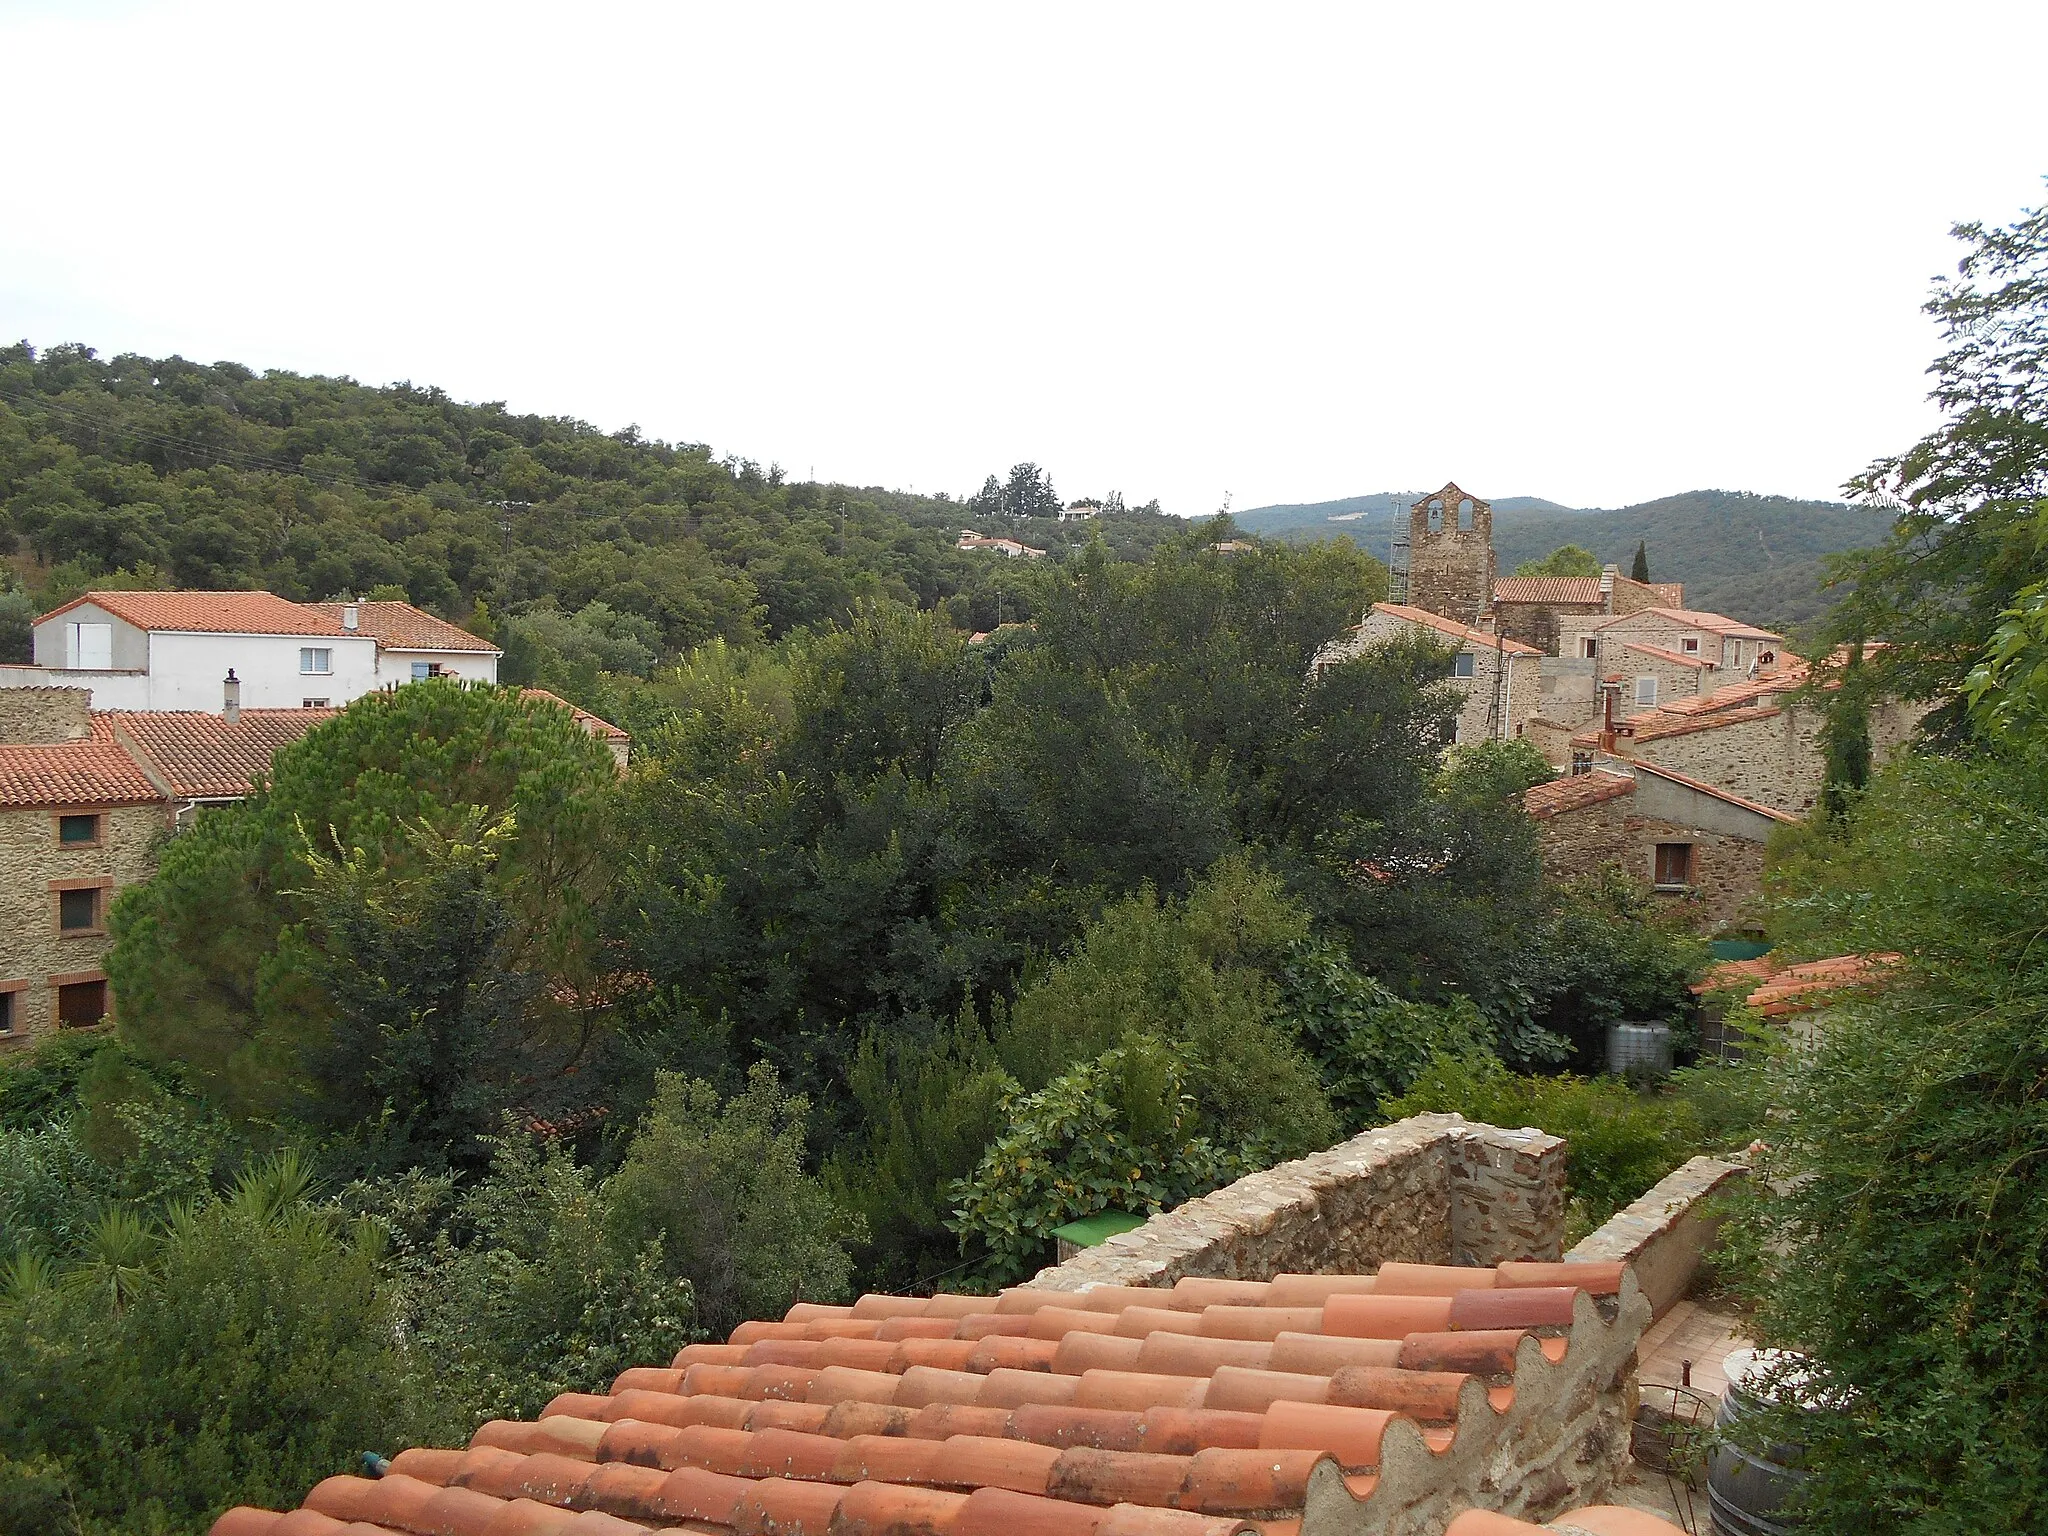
1500,678
1533,609
171,650
1014,548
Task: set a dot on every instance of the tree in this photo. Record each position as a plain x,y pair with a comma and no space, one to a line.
1568,560
1640,571
1972,524
291,987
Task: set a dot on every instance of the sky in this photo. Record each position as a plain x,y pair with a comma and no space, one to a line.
1264,253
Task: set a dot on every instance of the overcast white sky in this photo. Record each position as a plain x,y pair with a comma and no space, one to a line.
1594,253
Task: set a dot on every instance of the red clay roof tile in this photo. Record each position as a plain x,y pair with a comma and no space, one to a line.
402,627
1575,793
210,613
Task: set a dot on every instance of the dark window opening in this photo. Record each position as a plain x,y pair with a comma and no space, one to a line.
1436,517
78,829
1674,864
1582,763
78,911
1462,664
7,1012
81,1003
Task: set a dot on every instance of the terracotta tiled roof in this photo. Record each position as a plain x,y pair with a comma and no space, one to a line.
1200,1410
211,613
92,770
1727,797
1659,724
1797,988
1576,793
1693,618
1454,629
596,725
1547,589
1698,663
400,626
202,757
1736,695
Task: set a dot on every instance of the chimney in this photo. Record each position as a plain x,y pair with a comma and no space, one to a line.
1607,693
231,698
1607,575
351,615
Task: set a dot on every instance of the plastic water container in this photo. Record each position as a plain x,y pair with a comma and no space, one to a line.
1639,1050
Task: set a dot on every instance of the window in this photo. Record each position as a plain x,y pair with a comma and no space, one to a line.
7,1013
78,909
312,704
1674,866
315,658
422,670
1589,648
1582,763
81,1004
1462,663
1436,516
1646,690
1690,645
81,831
89,647
1465,515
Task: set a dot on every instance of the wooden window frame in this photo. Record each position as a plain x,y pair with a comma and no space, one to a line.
1691,880
104,884
57,827
11,993
58,983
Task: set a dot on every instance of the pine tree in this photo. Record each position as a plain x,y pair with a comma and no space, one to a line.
1641,570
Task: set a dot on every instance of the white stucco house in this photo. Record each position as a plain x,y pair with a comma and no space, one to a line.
174,650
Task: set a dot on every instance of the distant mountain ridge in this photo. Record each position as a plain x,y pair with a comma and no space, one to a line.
1752,556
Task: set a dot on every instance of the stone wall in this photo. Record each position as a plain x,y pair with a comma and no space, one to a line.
1433,1189
1775,760
1727,869
1675,680
1663,1236
36,716
31,948
1540,624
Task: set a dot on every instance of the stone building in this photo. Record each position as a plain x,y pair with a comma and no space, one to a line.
1450,555
1749,739
1689,843
78,820
1500,679
1532,609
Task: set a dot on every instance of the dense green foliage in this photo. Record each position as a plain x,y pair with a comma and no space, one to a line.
580,550
1565,560
1971,529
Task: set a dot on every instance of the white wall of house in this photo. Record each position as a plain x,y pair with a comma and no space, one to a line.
186,670
397,666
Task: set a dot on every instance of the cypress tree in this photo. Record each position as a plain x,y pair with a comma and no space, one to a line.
1641,570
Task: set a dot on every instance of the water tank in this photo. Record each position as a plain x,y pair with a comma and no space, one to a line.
1639,1050
1748,1489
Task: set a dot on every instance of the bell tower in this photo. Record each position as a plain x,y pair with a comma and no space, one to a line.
1450,555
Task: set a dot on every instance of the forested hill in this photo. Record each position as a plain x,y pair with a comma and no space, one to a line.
579,550
1756,557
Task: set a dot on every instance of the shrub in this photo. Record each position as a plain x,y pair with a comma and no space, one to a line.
1115,1134
720,1188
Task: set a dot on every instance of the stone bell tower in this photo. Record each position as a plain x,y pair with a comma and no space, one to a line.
1450,555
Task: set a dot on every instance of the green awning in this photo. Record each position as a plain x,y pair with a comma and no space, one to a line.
1090,1230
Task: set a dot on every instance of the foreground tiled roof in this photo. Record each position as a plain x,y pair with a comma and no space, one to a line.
1208,1409
1737,695
92,770
199,756
213,613
1788,989
1547,589
1454,629
400,626
1661,723
1575,793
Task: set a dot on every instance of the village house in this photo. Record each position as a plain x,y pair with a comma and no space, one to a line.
171,650
1533,609
1016,549
1689,843
1499,678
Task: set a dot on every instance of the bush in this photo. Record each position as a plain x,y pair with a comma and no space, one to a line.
1115,1134
240,1354
719,1187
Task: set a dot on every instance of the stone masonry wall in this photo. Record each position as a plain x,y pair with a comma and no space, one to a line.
1663,1236
1776,761
1432,1189
31,949
1451,571
36,716
1675,680
1727,870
